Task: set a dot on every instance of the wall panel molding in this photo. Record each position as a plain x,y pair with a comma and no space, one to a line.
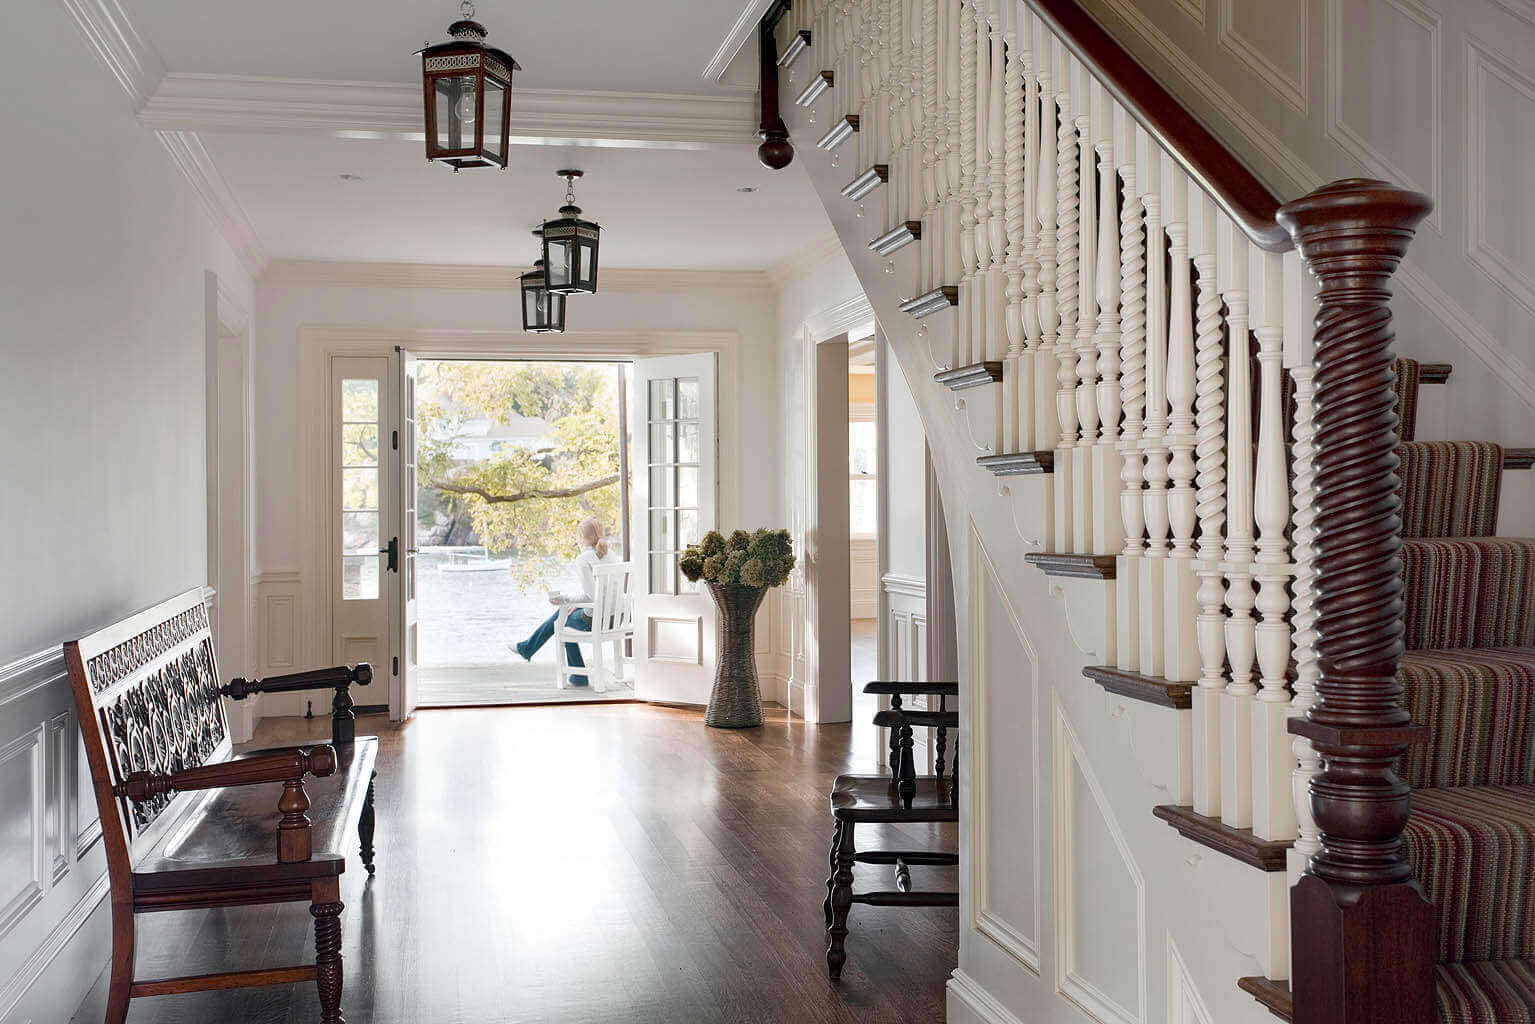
1351,139
1484,66
24,757
1184,1005
969,1003
1289,84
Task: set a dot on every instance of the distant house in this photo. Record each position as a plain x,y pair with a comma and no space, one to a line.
482,437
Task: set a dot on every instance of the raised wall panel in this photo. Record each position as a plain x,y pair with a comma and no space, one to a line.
1271,38
23,825
1385,89
676,639
1501,122
1184,1005
60,839
1005,778
1100,894
279,626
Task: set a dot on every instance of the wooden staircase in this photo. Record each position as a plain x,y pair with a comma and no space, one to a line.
1351,647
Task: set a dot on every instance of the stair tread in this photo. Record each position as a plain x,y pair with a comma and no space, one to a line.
1477,704
1473,850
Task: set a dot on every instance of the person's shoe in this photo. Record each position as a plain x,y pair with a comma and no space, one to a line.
577,680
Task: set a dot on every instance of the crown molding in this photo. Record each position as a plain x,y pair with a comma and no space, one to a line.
465,277
187,152
807,260
739,35
245,103
132,61
838,319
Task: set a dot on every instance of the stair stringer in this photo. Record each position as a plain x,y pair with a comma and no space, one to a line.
1220,914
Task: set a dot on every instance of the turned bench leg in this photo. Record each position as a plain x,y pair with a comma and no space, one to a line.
365,823
325,905
841,902
831,864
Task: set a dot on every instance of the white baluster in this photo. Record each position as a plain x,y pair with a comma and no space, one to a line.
953,143
1086,92
1273,808
1042,205
1210,505
996,295
1149,161
1108,528
1237,700
964,336
1067,161
1308,763
1015,416
1132,387
930,146
1180,660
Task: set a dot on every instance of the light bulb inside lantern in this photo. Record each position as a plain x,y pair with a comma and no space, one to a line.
464,109
890,269
836,161
922,331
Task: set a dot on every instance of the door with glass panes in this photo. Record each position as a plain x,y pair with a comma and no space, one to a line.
361,416
674,504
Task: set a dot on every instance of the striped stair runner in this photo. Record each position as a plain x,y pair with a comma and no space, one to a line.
1469,675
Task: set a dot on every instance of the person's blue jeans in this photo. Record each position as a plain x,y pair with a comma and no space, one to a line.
534,643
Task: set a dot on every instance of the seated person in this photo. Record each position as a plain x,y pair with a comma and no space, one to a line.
594,549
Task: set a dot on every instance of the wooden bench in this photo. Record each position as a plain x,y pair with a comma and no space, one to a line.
188,826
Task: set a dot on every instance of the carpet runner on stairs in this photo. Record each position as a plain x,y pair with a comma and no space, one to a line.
1469,675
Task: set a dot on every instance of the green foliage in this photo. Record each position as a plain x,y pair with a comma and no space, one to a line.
761,559
522,499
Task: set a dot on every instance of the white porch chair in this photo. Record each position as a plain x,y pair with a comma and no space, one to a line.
612,613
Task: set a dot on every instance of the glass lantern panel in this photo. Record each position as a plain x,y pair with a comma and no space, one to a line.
495,103
455,111
556,306
558,257
530,304
586,272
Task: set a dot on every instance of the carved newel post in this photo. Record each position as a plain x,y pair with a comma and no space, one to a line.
1363,932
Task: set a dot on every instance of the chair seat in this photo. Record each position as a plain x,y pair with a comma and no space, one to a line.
861,798
903,688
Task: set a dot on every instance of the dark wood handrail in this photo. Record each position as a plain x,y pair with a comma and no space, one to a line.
1203,157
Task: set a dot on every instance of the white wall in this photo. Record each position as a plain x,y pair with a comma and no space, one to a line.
750,457
905,537
102,326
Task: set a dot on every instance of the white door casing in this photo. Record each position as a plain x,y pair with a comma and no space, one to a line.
403,683
675,502
363,514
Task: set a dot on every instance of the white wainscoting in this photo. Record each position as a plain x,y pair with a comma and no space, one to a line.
905,637
280,640
52,867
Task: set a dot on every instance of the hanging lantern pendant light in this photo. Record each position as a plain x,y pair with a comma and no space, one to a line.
467,87
570,246
543,311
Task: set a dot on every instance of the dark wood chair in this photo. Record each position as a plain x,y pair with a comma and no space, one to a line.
188,826
901,797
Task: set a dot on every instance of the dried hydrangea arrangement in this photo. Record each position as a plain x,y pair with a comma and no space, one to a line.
762,559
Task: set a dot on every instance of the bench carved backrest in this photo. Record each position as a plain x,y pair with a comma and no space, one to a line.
147,695
613,604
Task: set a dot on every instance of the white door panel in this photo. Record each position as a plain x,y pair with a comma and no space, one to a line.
403,688
675,503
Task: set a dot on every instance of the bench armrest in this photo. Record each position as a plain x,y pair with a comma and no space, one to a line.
287,766
340,678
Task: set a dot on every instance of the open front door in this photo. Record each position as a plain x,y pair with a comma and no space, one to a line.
403,684
675,469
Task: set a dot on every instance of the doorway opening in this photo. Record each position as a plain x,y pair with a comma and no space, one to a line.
513,457
863,454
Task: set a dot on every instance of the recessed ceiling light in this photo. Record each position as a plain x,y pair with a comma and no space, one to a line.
747,188
351,177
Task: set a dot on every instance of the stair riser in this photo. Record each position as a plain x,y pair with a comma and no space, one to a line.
1469,593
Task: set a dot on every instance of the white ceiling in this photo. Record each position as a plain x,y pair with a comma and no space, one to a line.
654,46
659,208
664,201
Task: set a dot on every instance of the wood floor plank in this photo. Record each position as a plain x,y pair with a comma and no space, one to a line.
584,864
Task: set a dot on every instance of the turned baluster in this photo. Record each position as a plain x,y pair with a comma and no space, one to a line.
1210,505
1046,306
1237,698
1364,933
1308,764
1273,815
997,186
1108,528
1088,94
1132,387
964,335
930,121
1154,432
1017,434
1067,162
953,141
1180,660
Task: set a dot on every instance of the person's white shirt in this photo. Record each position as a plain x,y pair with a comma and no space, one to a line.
586,564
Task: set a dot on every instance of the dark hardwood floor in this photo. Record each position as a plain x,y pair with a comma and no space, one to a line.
582,864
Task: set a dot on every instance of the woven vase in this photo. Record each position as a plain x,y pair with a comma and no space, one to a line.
736,701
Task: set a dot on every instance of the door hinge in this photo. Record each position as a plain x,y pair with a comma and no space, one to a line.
394,440
395,669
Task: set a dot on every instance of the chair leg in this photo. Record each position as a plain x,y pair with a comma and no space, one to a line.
595,678
841,902
325,905
122,963
365,824
907,786
831,868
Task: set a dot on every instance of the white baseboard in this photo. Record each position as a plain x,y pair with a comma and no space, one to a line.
969,1003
